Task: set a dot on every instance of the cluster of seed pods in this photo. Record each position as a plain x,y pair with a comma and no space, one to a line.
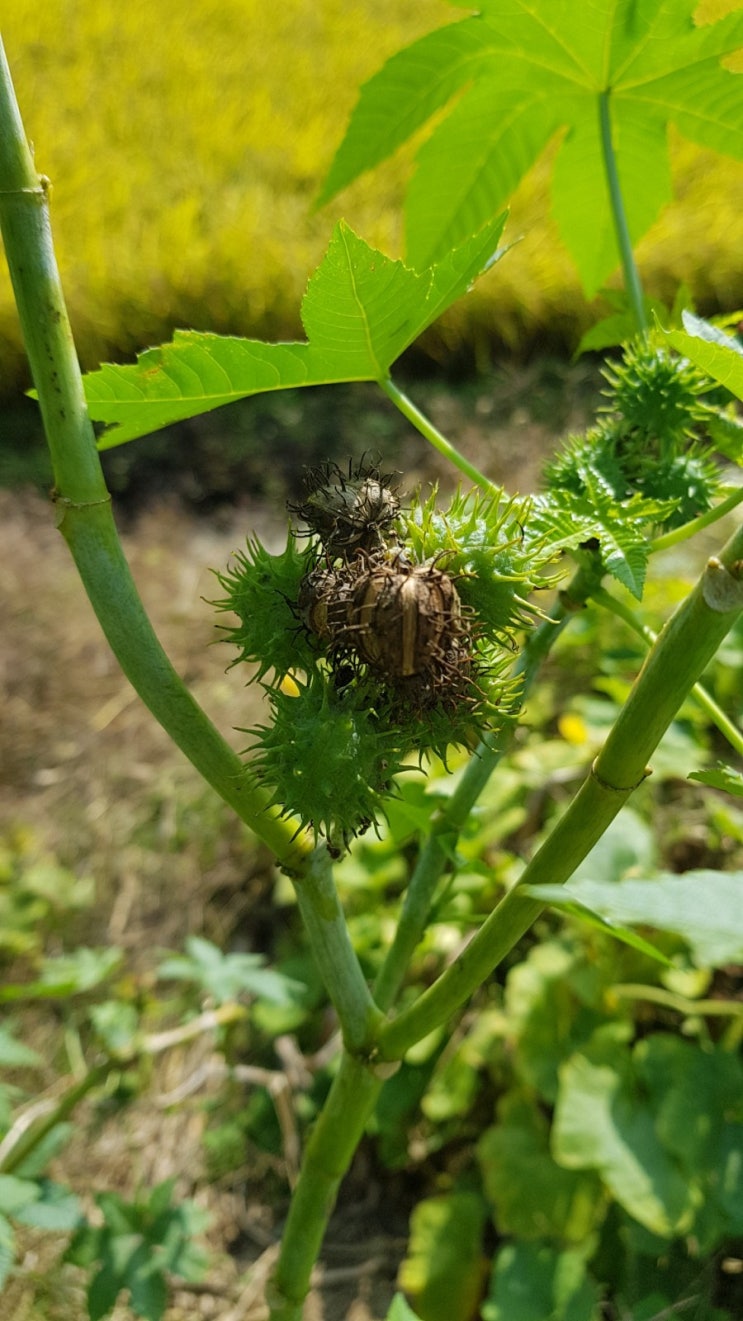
369,605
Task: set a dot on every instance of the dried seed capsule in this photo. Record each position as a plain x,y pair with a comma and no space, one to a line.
404,617
324,602
348,513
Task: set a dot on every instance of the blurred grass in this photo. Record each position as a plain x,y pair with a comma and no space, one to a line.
185,145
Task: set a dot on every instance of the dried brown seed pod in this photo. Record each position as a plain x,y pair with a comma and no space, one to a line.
405,618
349,512
325,600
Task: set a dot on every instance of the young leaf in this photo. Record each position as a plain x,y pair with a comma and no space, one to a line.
227,976
14,1054
360,311
721,777
54,1208
566,520
67,974
514,76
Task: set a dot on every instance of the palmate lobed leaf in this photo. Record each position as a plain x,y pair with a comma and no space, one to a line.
515,75
360,311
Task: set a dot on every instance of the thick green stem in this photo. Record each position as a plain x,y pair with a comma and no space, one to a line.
432,434
334,954
621,228
684,648
703,699
328,1155
83,503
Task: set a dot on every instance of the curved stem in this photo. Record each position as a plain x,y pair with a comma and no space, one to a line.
690,529
432,434
621,228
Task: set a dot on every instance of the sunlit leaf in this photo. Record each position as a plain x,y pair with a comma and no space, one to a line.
712,350
444,1267
721,777
556,896
399,1310
504,82
360,311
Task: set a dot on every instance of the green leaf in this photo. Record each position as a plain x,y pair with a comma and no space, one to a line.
14,1054
698,1093
103,1290
721,777
116,1023
532,1196
504,82
16,1194
360,311
443,1269
399,1310
44,1151
705,908
712,350
601,1123
534,1280
554,1002
67,974
148,1295
556,896
567,520
55,1208
228,976
620,326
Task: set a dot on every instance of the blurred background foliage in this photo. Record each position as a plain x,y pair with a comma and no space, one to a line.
185,146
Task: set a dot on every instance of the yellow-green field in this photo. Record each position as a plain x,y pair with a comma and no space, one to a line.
185,144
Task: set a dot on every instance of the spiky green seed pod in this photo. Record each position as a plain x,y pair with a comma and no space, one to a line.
480,542
328,759
262,590
658,397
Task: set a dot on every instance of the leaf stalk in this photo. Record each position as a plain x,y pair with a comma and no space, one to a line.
619,214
